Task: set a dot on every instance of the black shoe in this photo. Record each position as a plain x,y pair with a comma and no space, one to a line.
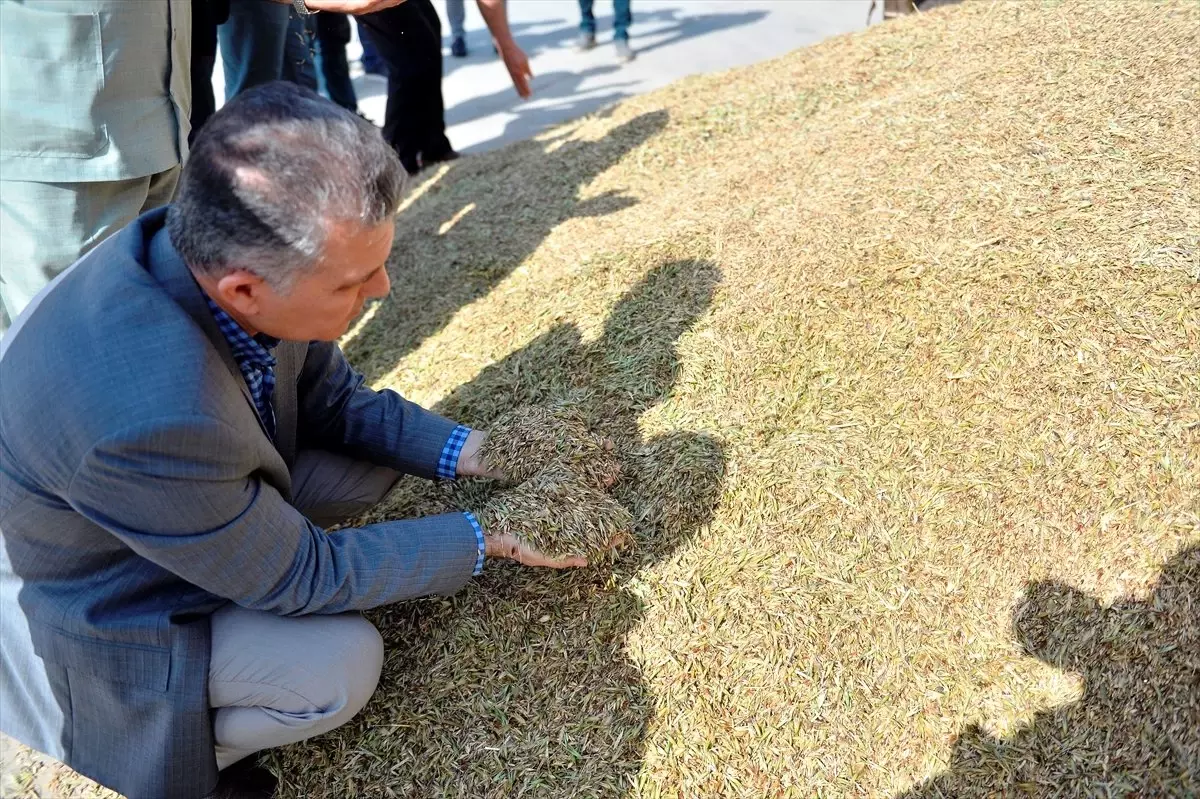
458,47
430,160
245,779
411,163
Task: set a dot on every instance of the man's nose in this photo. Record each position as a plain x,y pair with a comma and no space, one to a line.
379,285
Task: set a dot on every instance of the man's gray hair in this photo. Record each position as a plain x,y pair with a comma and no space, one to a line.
267,177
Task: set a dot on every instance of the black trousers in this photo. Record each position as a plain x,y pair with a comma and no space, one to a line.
206,16
408,37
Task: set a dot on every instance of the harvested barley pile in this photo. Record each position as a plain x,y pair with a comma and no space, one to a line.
560,514
523,442
556,492
898,338
559,474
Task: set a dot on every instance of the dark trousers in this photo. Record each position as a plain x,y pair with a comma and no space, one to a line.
252,42
409,39
333,34
206,16
298,62
371,62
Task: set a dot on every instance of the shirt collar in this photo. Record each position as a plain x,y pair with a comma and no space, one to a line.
247,349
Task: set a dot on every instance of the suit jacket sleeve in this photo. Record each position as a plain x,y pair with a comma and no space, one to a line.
339,413
183,494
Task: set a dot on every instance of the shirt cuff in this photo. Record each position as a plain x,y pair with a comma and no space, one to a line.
479,540
447,467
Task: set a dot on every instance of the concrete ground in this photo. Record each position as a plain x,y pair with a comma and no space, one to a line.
673,39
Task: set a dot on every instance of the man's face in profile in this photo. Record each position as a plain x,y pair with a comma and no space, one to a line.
321,303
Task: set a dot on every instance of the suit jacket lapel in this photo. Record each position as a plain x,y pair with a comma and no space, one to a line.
169,270
289,357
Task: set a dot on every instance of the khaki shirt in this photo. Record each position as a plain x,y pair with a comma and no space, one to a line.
93,90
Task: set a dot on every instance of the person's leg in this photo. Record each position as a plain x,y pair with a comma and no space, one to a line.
297,65
394,35
275,680
161,189
46,227
409,39
456,15
204,57
252,42
372,64
333,34
435,146
330,488
587,26
587,20
622,19
204,103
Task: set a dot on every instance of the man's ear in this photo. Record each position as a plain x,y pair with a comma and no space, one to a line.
242,292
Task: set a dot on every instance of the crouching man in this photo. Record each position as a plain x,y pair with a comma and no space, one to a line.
177,427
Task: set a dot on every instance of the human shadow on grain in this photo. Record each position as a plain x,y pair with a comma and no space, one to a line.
492,215
520,685
1136,729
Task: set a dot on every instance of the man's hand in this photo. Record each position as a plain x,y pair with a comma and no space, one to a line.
495,16
348,6
470,462
518,67
511,548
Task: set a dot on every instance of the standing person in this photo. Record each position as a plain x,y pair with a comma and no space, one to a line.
207,16
255,38
372,63
456,15
299,50
333,34
409,38
171,601
622,19
95,99
253,41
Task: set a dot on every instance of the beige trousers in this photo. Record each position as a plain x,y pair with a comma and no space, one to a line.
46,227
276,680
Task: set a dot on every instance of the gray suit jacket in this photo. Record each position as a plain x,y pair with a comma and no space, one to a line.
139,493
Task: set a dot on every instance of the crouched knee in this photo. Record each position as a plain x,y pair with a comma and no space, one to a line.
361,660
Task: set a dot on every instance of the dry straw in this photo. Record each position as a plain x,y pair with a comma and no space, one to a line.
561,471
954,352
953,361
560,514
523,442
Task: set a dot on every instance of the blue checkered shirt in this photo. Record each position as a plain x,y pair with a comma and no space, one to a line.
254,359
447,469
257,364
